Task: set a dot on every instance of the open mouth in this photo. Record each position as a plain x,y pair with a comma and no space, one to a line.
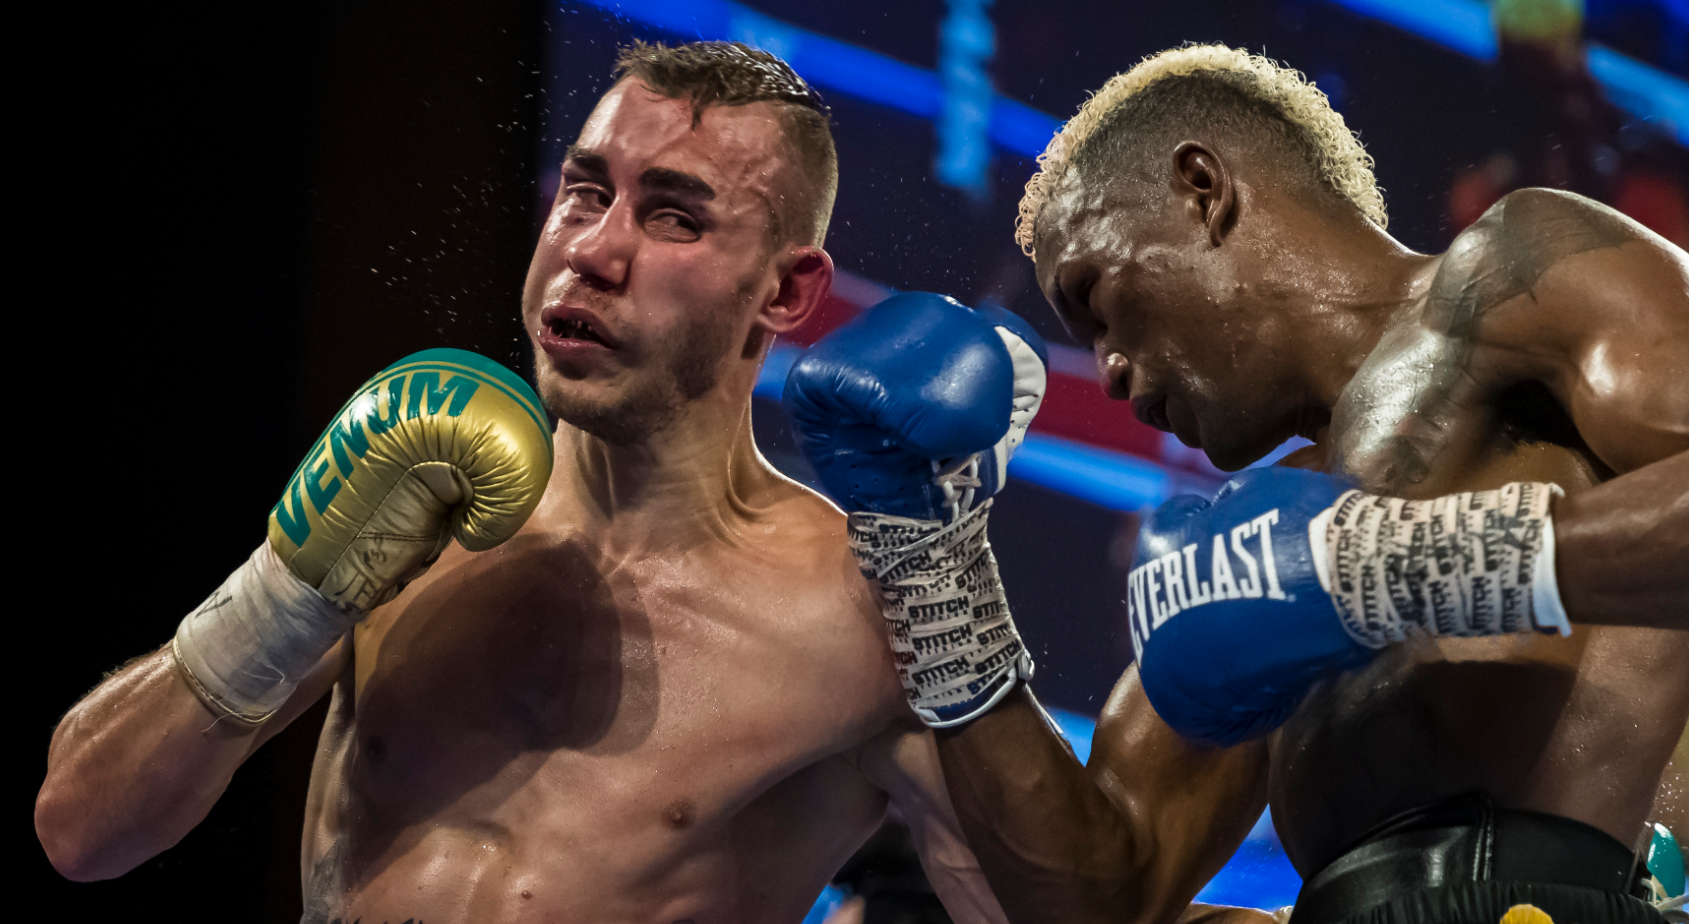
571,330
575,329
1151,410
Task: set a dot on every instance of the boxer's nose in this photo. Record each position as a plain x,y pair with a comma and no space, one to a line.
1114,374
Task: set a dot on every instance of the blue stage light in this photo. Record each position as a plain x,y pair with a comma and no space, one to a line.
1641,90
834,65
967,40
1108,479
1645,92
1463,25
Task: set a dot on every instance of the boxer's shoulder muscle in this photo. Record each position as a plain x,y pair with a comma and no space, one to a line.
1550,277
1595,308
842,616
1546,303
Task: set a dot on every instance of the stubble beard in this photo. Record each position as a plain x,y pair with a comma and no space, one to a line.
690,367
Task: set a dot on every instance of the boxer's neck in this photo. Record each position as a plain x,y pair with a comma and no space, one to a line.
1351,283
699,476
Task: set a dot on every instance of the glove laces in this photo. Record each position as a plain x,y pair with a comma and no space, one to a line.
959,480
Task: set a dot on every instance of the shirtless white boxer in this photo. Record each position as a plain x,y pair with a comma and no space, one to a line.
666,694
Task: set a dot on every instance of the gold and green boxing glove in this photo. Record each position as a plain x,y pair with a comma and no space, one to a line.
442,444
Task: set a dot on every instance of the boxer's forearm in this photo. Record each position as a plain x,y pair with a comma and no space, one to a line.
1622,548
1130,837
1051,844
139,762
132,768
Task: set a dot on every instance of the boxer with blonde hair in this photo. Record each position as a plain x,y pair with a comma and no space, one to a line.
1446,642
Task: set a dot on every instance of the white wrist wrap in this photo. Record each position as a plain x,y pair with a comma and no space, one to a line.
1473,564
956,646
246,648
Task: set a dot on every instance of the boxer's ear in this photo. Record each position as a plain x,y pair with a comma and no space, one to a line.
1202,174
804,285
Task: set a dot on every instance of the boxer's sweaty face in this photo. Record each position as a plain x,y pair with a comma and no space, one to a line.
645,281
1181,328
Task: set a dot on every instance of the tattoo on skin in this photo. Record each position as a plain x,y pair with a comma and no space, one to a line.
1394,418
324,887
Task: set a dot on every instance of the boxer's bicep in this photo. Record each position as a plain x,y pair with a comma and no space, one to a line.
1620,548
1607,331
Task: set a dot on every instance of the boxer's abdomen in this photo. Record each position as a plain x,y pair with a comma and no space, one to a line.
1581,727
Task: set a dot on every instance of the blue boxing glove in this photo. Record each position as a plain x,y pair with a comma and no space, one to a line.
916,384
1229,622
1239,605
910,414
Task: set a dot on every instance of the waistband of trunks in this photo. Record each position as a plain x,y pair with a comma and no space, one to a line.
1463,840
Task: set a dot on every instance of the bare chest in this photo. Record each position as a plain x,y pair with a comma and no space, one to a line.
529,703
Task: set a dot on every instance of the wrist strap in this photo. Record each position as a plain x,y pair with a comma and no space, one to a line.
1548,612
1474,564
245,649
957,650
221,708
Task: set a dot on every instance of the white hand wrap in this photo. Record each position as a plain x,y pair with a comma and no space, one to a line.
245,649
956,646
1473,564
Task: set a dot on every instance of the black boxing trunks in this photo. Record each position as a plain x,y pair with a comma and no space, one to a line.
1463,861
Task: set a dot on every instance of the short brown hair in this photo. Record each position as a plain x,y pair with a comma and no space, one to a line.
733,74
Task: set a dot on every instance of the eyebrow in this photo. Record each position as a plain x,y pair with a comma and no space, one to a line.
586,160
662,179
658,179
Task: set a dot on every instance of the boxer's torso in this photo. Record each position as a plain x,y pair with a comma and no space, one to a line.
1580,727
550,732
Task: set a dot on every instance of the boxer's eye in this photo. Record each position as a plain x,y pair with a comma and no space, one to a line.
588,195
671,225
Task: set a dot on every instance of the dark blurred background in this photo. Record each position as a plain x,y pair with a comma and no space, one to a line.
247,210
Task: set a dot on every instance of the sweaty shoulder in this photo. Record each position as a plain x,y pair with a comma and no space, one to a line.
1507,252
799,518
809,535
1552,287
828,604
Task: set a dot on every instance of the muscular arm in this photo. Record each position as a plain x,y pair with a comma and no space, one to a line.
139,762
1131,837
904,763
1603,321
1622,550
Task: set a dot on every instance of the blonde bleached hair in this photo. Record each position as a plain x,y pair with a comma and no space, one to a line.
1339,161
